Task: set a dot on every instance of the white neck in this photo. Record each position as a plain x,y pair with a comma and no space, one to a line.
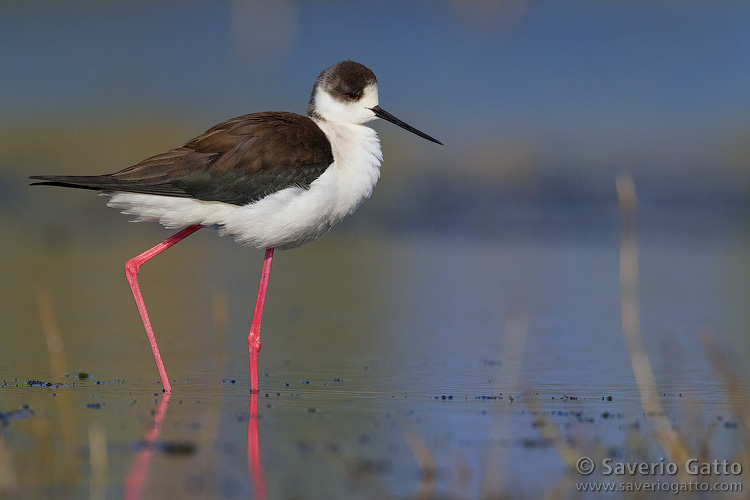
356,159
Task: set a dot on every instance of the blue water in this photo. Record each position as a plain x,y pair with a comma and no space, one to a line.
366,337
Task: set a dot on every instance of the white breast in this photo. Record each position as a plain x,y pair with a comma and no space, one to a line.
287,218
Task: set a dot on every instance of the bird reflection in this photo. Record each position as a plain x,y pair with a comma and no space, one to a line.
253,450
136,478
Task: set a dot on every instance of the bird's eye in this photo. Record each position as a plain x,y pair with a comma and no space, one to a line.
353,96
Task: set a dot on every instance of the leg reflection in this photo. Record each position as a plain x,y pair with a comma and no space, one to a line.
137,476
253,449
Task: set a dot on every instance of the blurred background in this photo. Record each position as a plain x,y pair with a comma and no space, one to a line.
540,105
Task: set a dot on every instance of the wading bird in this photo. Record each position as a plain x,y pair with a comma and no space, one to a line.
273,180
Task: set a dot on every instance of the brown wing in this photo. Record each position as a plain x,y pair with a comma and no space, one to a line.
237,161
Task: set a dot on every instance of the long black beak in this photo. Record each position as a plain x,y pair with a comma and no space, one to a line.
385,115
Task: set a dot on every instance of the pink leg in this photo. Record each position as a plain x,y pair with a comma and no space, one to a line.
253,338
131,273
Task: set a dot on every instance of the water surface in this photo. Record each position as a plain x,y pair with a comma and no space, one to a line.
371,339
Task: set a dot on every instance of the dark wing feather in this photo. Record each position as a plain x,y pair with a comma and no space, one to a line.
238,161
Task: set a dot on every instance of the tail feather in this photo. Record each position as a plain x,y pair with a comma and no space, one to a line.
106,183
98,182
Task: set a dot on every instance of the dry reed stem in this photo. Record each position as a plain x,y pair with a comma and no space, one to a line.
8,478
98,462
562,489
733,386
424,458
550,432
51,331
494,481
58,367
670,441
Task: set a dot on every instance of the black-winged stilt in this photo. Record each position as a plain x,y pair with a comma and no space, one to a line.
272,180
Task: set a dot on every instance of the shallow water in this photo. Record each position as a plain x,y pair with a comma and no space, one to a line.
373,341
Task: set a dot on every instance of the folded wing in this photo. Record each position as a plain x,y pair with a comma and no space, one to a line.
238,161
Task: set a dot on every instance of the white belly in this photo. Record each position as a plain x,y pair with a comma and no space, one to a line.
286,218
